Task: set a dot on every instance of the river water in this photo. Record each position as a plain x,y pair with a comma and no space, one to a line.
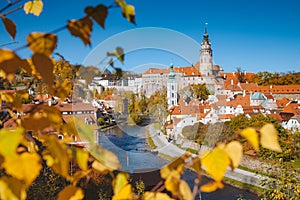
129,143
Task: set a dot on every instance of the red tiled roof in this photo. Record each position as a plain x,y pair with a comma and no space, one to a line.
233,76
269,89
74,106
276,116
226,116
186,71
292,108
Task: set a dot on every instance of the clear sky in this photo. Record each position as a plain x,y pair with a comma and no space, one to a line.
256,35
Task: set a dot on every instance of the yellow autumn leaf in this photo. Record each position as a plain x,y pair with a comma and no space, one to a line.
42,43
44,66
156,196
104,156
269,138
12,189
9,141
124,193
98,13
41,117
78,175
234,150
128,11
174,165
172,182
215,163
6,54
56,156
35,7
251,135
81,28
120,182
82,157
71,192
185,191
86,132
10,26
119,53
212,186
10,62
24,167
99,167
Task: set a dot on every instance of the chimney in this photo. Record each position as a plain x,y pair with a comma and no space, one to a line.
231,81
244,93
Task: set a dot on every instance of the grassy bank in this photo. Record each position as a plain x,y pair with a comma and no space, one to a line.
150,142
240,185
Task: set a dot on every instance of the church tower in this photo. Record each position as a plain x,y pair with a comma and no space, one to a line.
206,65
171,88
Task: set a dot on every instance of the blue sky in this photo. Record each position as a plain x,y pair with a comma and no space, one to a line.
256,35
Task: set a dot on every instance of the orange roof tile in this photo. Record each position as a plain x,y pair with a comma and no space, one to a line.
292,108
226,116
185,71
276,116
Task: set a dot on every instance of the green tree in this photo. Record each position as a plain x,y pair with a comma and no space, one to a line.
200,91
143,104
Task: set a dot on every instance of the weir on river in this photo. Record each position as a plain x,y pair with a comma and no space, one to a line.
129,143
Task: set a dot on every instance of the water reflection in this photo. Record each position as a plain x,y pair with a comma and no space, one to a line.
128,148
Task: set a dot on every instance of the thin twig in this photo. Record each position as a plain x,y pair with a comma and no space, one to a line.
9,5
2,45
13,10
157,186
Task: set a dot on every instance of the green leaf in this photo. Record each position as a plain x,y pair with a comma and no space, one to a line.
42,43
251,135
215,163
71,192
269,138
98,13
10,26
35,7
44,66
81,28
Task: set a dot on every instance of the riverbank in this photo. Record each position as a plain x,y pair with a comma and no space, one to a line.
239,178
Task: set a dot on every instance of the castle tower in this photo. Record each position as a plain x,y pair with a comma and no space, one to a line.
206,65
171,88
